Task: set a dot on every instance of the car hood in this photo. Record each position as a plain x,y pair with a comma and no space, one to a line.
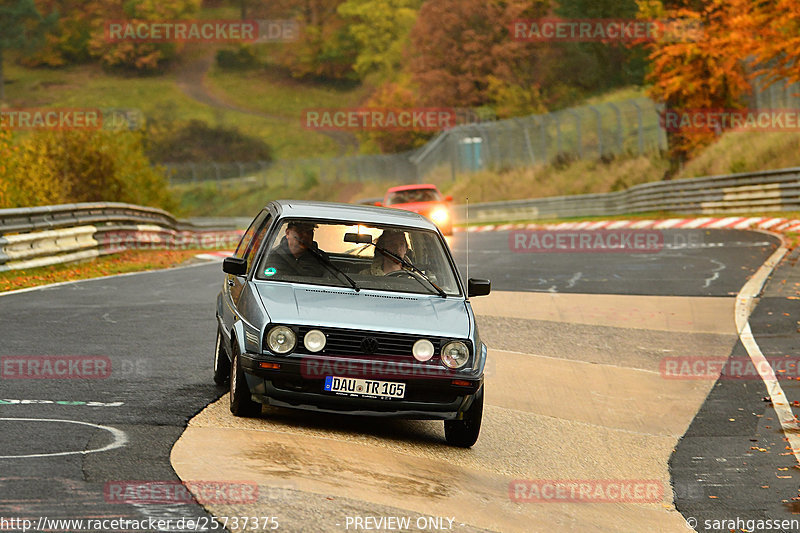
419,207
367,310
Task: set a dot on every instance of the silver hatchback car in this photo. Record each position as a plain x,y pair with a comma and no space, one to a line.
350,309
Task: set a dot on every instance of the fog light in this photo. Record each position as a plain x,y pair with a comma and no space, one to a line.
314,341
422,350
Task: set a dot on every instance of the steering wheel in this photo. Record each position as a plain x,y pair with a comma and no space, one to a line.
401,272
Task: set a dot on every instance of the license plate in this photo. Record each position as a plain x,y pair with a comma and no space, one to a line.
365,387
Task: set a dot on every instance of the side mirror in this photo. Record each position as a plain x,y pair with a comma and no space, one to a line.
448,198
379,204
478,287
234,265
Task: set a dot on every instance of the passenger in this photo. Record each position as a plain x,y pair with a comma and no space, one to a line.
393,241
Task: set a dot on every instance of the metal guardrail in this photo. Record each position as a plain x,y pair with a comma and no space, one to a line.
40,236
771,190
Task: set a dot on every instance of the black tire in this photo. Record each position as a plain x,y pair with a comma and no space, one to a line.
464,433
222,365
242,403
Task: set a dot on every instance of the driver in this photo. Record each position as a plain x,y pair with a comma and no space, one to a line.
393,241
291,256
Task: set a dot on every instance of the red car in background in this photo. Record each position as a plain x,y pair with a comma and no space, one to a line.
424,199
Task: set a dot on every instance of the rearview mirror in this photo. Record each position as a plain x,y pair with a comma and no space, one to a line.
478,287
235,266
358,238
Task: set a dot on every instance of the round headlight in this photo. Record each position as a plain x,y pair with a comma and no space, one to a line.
423,350
455,354
281,339
314,341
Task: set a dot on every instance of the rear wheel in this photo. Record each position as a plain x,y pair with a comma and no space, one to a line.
242,403
464,433
222,365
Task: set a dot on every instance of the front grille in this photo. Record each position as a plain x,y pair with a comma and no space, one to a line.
349,342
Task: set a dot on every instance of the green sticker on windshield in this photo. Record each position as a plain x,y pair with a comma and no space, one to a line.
270,272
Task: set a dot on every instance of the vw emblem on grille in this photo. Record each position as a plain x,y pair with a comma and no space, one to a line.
369,345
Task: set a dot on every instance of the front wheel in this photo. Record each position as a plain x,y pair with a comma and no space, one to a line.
222,365
464,433
242,403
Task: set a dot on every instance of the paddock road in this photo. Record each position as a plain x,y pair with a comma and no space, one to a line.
575,396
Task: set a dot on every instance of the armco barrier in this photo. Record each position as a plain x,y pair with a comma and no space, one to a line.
771,190
40,236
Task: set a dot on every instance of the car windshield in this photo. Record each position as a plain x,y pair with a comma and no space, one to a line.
355,255
413,195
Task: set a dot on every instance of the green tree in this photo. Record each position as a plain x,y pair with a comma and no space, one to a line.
21,28
598,66
380,28
325,49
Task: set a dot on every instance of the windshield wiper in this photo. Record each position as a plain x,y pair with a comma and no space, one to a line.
333,268
411,266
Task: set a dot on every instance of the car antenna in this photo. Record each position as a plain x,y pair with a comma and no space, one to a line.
467,239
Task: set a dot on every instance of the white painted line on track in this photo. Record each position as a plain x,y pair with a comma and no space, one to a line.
120,438
744,306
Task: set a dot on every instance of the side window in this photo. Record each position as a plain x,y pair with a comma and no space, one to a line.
255,244
247,238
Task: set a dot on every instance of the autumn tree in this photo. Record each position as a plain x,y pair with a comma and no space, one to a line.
80,33
460,45
380,28
772,30
52,167
704,70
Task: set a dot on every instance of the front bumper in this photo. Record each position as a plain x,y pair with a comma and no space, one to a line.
426,397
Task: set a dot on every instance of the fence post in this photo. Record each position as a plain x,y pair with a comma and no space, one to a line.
620,134
599,118
639,126
527,137
578,131
453,156
543,130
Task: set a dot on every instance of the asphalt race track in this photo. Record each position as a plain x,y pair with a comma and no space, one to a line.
576,390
